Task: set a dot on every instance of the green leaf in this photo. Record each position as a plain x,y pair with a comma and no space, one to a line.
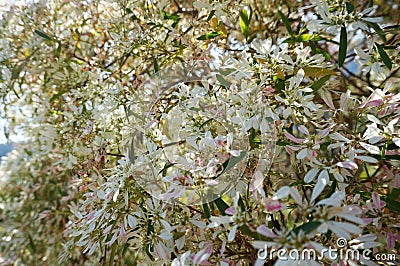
342,46
389,47
178,235
206,122
156,68
254,139
244,23
210,15
112,255
378,30
391,28
28,152
327,237
132,152
318,71
318,84
389,157
166,166
43,35
130,12
349,7
324,53
313,47
223,81
246,230
307,227
394,194
282,143
16,70
169,16
279,83
286,22
149,247
226,71
131,260
175,18
206,209
58,52
150,228
385,58
241,204
209,36
57,95
303,38
122,60
31,244
233,161
391,204
332,188
383,151
221,205
125,249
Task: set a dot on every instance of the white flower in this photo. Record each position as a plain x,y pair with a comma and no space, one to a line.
182,259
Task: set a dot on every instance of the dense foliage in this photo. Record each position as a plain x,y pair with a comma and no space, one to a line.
198,133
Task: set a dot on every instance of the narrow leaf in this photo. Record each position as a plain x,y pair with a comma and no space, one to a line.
58,52
246,230
241,204
209,36
313,47
244,23
233,161
31,243
210,15
286,22
223,81
125,249
392,205
112,255
384,56
378,30
342,46
318,84
307,227
16,70
318,71
166,166
349,7
303,38
169,16
221,205
394,194
156,68
43,35
206,209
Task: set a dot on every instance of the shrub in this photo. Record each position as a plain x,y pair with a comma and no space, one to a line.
199,133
